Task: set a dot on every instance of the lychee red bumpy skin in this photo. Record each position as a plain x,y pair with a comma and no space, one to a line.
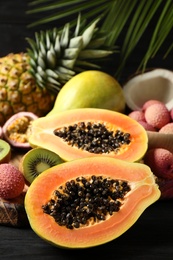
167,129
150,102
160,161
11,181
137,115
171,114
147,126
157,115
166,188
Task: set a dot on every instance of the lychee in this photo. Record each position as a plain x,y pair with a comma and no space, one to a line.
1,136
149,103
171,114
167,129
157,115
147,126
166,188
160,161
11,181
137,115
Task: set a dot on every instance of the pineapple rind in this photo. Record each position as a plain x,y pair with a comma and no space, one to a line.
18,89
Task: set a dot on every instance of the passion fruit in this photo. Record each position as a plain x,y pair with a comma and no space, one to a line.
16,129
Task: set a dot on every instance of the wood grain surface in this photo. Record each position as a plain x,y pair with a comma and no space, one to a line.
151,236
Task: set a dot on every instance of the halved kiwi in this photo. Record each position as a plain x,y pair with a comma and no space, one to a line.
5,151
37,160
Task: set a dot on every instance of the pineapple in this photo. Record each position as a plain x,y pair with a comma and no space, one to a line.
19,90
31,81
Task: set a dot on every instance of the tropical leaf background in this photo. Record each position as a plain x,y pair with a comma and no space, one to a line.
125,22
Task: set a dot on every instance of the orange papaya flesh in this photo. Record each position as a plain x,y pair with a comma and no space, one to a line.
142,193
43,134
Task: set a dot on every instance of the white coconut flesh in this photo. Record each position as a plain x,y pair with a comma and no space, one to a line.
156,84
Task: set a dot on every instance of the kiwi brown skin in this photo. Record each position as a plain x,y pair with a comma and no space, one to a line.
37,160
5,151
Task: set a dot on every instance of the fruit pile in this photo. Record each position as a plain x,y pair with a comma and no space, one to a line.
16,128
40,156
155,116
83,130
77,147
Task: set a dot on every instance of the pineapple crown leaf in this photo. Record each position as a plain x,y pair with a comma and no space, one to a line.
81,65
76,42
77,28
57,45
51,59
59,51
88,33
93,54
64,40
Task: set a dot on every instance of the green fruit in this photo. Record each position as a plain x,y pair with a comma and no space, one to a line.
90,89
5,152
37,160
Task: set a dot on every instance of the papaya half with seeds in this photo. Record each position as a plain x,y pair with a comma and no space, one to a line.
90,201
88,132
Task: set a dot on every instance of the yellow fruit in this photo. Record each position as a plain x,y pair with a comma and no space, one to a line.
90,89
18,89
30,82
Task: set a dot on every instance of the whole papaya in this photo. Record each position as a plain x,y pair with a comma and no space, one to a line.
90,89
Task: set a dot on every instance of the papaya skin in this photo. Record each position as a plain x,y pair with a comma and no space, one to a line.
42,133
144,192
90,89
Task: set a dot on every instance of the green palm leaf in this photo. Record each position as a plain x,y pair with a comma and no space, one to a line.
162,30
128,17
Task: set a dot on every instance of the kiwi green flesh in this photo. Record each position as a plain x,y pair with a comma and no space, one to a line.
5,151
38,160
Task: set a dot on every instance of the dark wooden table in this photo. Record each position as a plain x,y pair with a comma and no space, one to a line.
151,236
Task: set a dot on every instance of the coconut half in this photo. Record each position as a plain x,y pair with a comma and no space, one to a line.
156,84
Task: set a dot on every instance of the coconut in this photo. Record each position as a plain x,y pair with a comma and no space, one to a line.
156,84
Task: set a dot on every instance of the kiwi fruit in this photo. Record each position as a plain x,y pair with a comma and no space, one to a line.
37,160
5,151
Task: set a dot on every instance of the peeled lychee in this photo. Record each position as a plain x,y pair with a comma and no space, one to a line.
11,181
157,115
167,129
160,161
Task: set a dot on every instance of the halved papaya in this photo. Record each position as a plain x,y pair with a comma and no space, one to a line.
90,132
89,201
